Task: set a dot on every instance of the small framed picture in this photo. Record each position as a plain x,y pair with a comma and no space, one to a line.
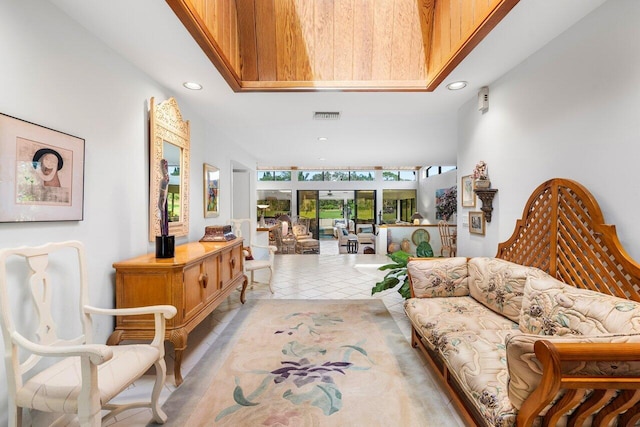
41,173
468,196
211,191
476,223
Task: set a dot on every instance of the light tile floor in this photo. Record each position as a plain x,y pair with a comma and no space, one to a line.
326,276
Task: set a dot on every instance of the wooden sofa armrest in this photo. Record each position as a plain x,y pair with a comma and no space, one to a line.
551,355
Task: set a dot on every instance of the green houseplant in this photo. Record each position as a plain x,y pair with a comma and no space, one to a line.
398,270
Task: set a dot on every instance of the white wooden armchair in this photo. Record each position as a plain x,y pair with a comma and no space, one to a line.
251,263
79,377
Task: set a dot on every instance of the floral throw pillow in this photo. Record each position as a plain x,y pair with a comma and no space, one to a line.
551,307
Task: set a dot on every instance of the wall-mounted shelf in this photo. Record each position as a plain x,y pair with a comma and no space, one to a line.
487,201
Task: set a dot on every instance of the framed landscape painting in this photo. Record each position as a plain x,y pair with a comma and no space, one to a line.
211,191
41,173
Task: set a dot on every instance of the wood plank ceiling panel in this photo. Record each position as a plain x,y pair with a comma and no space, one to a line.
363,40
347,44
266,41
343,40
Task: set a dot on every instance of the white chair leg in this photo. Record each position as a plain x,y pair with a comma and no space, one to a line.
15,415
270,278
251,280
161,372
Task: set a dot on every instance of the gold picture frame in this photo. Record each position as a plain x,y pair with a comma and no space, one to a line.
211,191
468,195
477,223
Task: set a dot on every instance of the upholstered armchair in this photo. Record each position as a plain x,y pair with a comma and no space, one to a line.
301,232
366,234
75,375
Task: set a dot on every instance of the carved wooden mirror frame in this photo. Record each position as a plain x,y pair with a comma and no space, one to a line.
167,126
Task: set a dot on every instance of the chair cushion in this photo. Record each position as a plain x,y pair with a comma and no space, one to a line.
256,264
56,389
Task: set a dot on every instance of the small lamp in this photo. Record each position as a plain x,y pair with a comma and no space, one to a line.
262,208
416,218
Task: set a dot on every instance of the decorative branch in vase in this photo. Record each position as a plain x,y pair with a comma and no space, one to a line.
481,176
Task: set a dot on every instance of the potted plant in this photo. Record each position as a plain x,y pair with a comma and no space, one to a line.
398,270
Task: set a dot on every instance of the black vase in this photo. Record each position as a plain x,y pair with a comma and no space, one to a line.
165,246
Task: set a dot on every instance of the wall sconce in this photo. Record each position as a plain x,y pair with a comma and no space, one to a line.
416,218
487,201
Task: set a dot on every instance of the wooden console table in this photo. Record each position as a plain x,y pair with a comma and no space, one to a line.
195,281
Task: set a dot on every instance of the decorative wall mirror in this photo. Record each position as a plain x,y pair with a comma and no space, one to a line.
169,141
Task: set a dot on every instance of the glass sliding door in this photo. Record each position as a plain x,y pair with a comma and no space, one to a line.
398,205
308,210
335,207
365,207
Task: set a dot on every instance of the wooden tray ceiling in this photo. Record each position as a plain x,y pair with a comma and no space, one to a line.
359,45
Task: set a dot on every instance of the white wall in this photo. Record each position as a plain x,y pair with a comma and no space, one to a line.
55,74
571,110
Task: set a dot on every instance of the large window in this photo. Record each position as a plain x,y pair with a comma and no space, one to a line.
399,175
274,175
437,170
337,175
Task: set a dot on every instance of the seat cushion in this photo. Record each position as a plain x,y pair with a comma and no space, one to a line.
256,264
477,359
56,389
427,316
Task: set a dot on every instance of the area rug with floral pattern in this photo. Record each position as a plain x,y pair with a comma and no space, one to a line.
309,363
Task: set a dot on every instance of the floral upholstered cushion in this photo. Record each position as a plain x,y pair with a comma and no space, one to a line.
551,307
478,361
498,284
525,371
441,277
435,318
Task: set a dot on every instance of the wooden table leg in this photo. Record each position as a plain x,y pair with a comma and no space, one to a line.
178,338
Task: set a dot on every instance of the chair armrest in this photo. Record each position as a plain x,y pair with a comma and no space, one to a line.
577,365
270,248
168,311
97,353
160,314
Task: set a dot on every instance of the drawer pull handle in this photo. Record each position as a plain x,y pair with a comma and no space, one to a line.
204,280
233,262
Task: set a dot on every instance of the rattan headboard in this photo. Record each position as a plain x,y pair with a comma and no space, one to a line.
562,232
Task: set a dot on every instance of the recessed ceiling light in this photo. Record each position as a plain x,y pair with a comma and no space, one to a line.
321,158
192,85
322,138
457,85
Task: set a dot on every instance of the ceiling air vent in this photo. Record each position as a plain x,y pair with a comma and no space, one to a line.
326,115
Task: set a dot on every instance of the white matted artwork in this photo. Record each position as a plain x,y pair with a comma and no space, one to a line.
468,196
41,173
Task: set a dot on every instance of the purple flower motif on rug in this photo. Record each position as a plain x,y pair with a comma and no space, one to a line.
304,372
311,378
